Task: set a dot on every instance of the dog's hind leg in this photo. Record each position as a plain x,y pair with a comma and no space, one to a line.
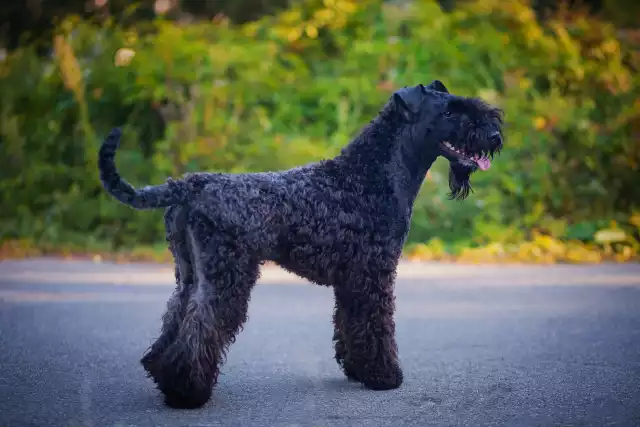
224,275
175,220
369,331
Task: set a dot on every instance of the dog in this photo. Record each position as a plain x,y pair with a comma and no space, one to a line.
340,222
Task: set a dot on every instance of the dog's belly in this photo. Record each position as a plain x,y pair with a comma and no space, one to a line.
333,261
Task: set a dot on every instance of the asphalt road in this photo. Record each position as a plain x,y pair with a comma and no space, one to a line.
501,346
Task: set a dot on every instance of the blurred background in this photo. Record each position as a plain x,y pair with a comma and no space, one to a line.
253,85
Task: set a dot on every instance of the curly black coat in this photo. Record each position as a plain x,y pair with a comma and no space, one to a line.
341,222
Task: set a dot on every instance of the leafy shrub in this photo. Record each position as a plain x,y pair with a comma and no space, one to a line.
295,87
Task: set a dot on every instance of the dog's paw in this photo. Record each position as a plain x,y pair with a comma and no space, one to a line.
381,377
349,371
190,401
181,391
347,368
150,363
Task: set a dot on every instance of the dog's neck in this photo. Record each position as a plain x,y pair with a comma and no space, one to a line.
381,152
412,164
373,146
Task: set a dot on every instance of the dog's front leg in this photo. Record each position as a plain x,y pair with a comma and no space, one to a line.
369,331
339,339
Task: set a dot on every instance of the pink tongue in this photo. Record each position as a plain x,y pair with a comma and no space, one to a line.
483,163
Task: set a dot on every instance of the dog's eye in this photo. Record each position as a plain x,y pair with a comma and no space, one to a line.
447,113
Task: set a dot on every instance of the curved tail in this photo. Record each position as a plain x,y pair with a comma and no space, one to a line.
158,196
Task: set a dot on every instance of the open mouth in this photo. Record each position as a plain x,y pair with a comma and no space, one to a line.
450,151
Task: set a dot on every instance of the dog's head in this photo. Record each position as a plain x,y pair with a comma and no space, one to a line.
465,131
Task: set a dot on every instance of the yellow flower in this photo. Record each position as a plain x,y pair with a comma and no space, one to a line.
312,31
539,123
294,34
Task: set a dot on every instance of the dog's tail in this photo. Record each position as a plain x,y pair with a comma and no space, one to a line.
158,196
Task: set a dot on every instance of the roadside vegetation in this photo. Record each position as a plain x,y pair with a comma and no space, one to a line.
293,87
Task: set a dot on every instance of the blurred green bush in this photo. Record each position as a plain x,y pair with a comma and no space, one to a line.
294,87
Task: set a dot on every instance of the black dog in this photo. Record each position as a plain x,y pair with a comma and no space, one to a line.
340,222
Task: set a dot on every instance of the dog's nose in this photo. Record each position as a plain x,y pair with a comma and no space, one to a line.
496,138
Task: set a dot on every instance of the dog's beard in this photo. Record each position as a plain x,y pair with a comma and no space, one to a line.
459,180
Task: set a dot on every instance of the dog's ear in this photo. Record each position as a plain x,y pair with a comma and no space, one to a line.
408,100
437,86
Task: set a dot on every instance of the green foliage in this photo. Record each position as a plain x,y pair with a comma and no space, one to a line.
295,87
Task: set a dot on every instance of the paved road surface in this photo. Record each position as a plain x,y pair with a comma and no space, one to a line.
500,346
